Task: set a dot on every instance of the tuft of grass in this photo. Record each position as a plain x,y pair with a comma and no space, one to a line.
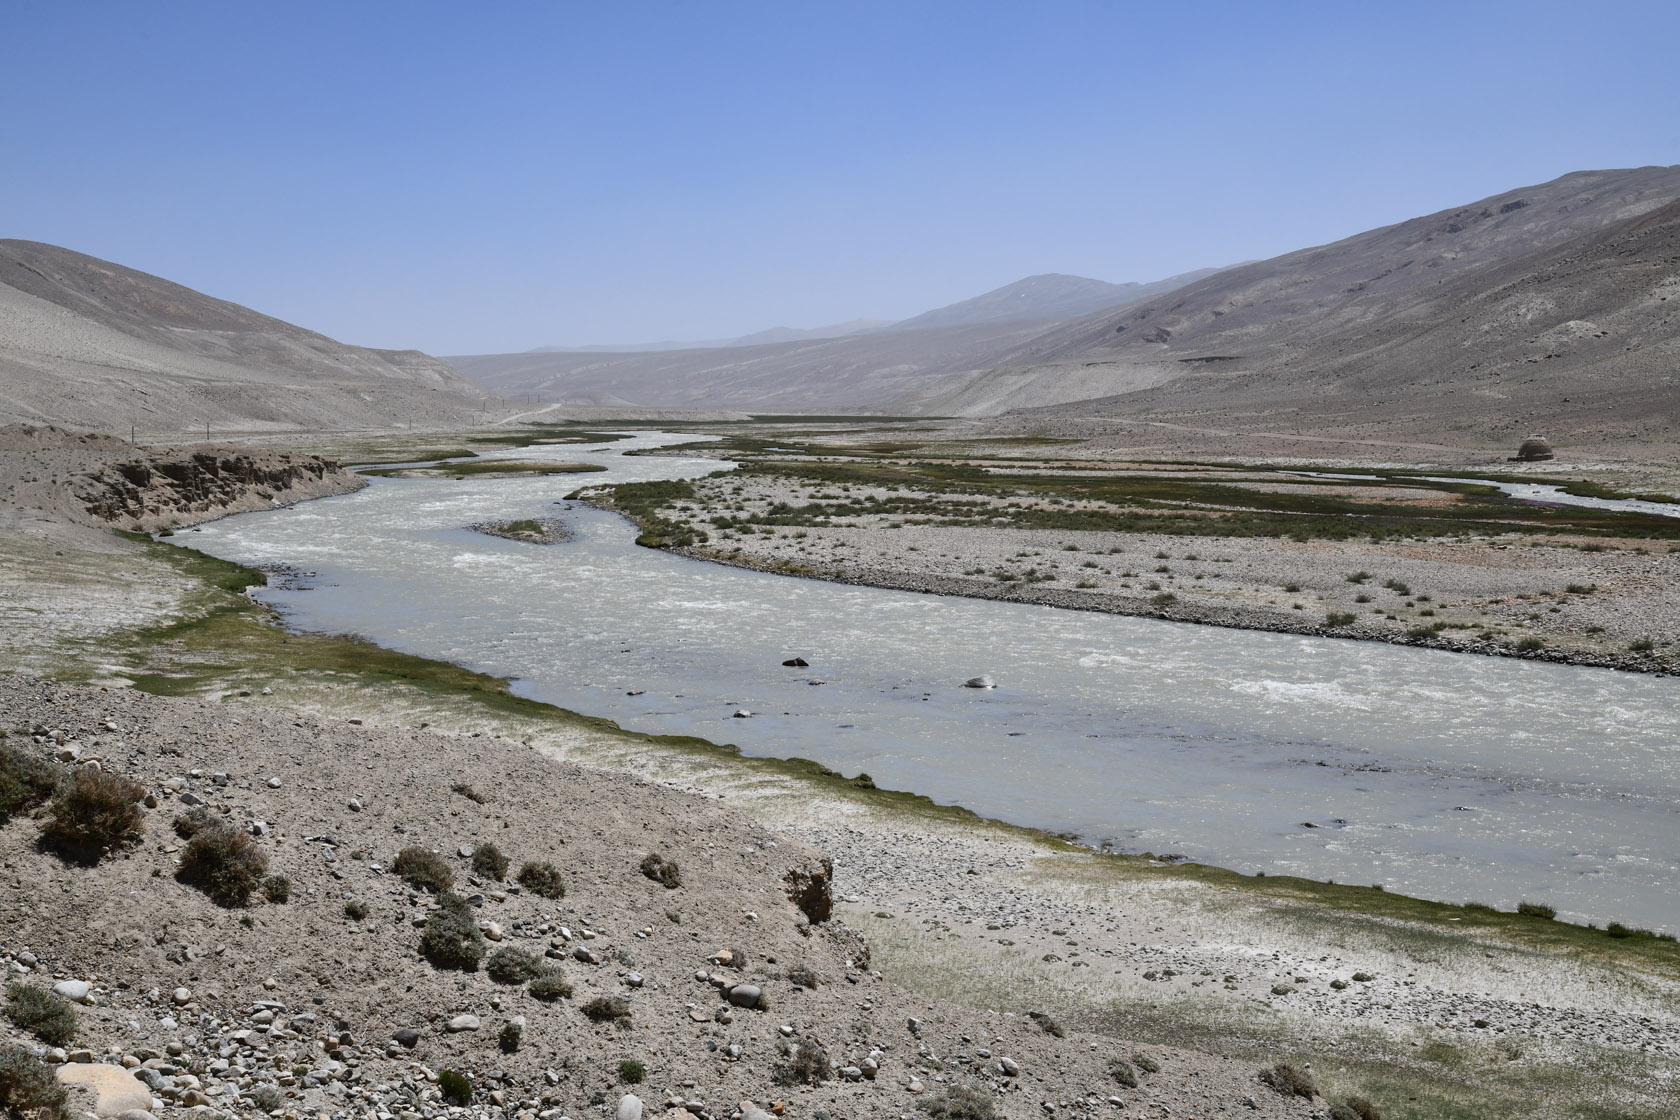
451,938
801,976
488,861
542,878
355,910
423,869
807,1065
28,1087
41,1013
1289,1081
1046,1024
550,985
1121,1070
959,1102
511,1035
1536,910
608,1009
632,1072
95,813
663,871
456,1088
1528,645
277,888
225,863
1338,619
466,790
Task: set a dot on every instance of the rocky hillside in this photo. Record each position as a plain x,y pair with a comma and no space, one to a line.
252,910
91,344
1541,310
101,480
1044,298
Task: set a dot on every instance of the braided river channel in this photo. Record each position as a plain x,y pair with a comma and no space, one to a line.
1450,776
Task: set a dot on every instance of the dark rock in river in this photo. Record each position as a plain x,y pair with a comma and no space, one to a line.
796,663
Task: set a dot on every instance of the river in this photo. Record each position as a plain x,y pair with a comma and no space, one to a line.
1449,776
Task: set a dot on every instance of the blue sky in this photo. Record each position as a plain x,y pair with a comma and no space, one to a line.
495,176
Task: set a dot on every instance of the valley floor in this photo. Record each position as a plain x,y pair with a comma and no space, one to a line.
1428,1010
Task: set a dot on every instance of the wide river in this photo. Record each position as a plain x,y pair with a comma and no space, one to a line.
1444,775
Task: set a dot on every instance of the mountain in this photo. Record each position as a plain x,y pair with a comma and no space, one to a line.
1050,296
873,367
1551,309
774,334
90,344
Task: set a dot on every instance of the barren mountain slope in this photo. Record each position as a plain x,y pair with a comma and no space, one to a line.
1577,340
88,343
1050,296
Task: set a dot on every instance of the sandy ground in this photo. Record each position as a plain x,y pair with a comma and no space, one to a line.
1586,607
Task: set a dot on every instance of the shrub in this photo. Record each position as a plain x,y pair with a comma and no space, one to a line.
1537,910
662,870
550,985
1146,1063
1048,1025
808,1065
959,1102
27,1086
631,1072
1355,1108
455,1087
95,812
1340,618
542,878
801,976
1121,1070
1358,577
1289,1081
224,863
25,781
1164,599
451,938
267,1098
1528,645
512,966
423,869
277,888
468,792
511,1034
1643,645
355,910
41,1013
488,861
608,1009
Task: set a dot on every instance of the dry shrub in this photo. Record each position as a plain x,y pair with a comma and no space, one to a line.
662,870
960,1102
423,869
223,862
451,938
808,1065
25,781
550,985
488,861
542,878
96,812
42,1013
28,1087
512,966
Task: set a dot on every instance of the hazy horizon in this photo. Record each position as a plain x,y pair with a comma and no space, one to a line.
497,179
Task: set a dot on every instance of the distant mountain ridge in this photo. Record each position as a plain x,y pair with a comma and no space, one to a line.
774,334
863,368
92,344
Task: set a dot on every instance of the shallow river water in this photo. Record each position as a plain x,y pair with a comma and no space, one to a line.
1449,776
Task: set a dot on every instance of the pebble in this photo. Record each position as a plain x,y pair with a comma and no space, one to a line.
463,1023
181,995
408,1038
745,995
629,1107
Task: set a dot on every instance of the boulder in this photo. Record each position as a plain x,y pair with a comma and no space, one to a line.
629,1107
981,681
796,663
118,1090
74,990
745,995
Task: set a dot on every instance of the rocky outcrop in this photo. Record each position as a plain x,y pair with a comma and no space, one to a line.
157,490
811,888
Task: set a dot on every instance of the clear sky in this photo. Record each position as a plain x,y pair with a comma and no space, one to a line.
488,176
